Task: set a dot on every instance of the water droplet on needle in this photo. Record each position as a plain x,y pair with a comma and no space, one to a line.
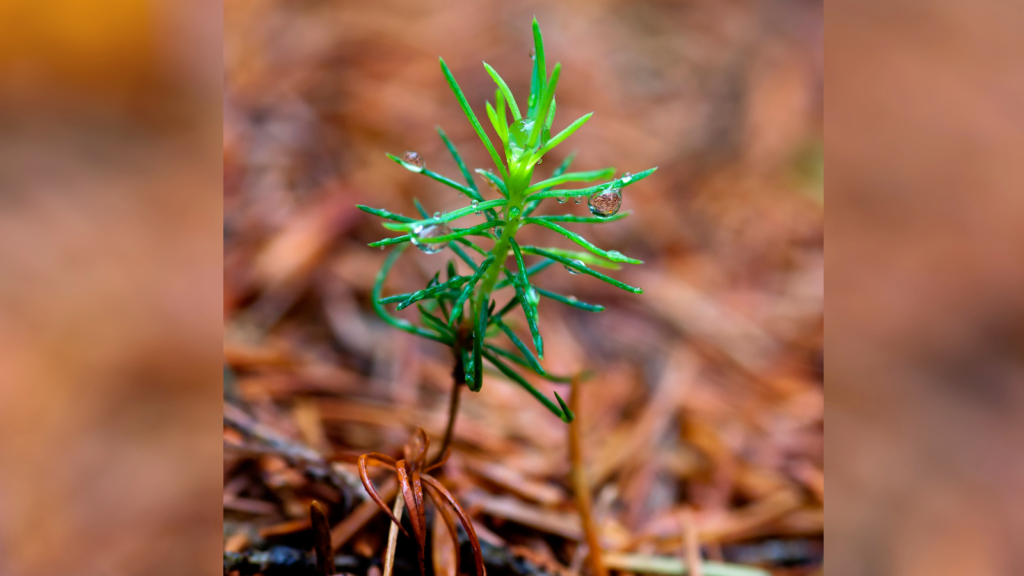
413,161
605,203
573,270
421,233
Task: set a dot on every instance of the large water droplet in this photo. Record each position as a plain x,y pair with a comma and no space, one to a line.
518,135
577,199
626,178
475,204
421,233
532,296
573,270
562,199
605,203
414,161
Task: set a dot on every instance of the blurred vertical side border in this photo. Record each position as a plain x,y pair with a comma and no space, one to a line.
110,287
925,288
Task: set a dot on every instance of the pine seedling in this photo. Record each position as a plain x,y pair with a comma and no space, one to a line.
459,310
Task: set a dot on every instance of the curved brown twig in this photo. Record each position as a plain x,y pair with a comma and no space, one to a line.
439,490
411,476
364,475
416,449
440,461
412,493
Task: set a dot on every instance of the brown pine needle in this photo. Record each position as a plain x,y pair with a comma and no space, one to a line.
692,546
580,487
321,539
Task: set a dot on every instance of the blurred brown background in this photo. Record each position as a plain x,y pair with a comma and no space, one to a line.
924,288
110,275
708,387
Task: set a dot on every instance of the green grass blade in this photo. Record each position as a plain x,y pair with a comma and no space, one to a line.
613,255
564,165
385,214
572,177
419,208
460,232
503,119
588,258
541,67
462,165
558,139
391,241
471,193
454,246
509,98
584,269
467,290
472,117
532,205
511,374
585,219
535,90
448,217
545,106
469,370
434,290
378,287
492,177
530,358
505,309
569,416
551,115
529,272
522,362
492,115
477,249
569,300
618,182
529,307
433,322
479,334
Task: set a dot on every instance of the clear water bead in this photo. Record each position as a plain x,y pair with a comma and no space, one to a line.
562,199
414,161
605,203
475,204
626,177
532,296
421,233
577,199
519,135
573,270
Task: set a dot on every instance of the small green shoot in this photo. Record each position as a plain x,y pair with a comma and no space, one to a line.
460,312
